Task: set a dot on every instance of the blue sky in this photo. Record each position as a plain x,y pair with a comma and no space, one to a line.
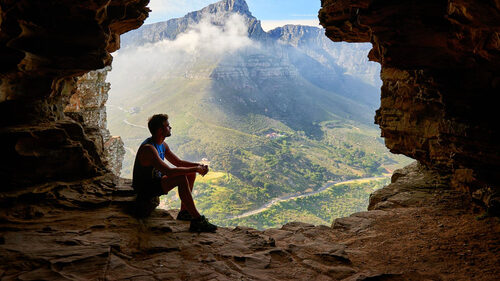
272,13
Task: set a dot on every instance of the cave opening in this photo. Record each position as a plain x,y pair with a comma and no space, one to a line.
283,116
64,216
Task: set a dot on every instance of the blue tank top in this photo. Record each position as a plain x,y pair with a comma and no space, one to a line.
142,175
159,147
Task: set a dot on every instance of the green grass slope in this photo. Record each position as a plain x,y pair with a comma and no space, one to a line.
268,132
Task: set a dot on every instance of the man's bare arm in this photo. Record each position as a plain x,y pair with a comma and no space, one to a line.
148,156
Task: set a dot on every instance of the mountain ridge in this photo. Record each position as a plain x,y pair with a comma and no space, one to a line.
308,38
274,116
294,33
169,29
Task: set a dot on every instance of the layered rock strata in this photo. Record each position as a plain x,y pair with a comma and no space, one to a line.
216,13
440,72
61,219
84,231
87,106
43,46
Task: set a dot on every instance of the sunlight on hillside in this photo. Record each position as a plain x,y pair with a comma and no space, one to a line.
212,177
284,118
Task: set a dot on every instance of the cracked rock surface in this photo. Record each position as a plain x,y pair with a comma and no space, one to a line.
68,238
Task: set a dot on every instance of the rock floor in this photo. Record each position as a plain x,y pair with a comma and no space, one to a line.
437,238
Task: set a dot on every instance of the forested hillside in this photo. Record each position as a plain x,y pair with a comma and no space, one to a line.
274,113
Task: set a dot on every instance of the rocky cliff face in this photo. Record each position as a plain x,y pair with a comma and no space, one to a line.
268,74
217,13
312,40
339,58
87,106
60,221
440,72
40,53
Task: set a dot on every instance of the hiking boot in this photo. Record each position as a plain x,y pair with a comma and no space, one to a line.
184,215
201,224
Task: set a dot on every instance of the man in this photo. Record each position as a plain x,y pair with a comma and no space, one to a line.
153,177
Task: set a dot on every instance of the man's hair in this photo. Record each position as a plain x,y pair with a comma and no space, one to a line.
155,122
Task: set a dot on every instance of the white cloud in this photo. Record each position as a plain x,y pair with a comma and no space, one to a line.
210,39
158,60
271,24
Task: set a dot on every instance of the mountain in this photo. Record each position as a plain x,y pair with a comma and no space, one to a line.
219,13
274,113
349,58
292,58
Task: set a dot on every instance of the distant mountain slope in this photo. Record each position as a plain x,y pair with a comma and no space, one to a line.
274,113
218,12
302,49
271,83
337,57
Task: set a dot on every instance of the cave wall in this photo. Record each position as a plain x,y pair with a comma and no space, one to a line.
44,47
87,105
440,71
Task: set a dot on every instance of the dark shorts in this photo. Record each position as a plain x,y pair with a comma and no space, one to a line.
149,188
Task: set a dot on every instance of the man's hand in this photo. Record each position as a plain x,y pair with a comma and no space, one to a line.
202,169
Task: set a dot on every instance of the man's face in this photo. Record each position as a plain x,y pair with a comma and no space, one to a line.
166,129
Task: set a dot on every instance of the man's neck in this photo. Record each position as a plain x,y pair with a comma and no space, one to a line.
158,139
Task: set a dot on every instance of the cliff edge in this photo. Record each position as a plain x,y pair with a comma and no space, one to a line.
420,232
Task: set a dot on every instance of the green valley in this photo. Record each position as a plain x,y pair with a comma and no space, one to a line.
261,115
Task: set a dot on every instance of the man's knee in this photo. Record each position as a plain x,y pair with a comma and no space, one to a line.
182,180
168,183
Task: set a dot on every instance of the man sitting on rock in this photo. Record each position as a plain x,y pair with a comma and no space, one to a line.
153,177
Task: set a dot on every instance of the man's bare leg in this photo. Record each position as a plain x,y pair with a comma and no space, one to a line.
191,178
182,182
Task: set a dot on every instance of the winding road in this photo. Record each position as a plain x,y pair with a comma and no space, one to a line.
277,199
128,123
133,125
295,196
